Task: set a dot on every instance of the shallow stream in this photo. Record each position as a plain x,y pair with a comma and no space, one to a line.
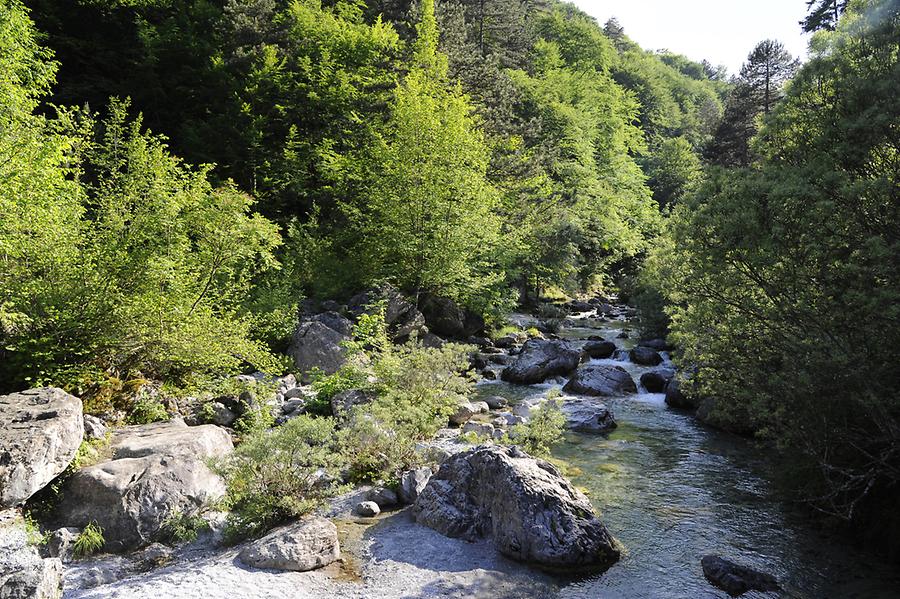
672,490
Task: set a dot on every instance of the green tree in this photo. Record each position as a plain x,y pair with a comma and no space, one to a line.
426,216
784,277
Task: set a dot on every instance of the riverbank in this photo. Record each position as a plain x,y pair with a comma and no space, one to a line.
668,487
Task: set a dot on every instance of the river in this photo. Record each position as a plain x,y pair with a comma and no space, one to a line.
672,490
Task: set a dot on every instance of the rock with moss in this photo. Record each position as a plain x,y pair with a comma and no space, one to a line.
150,473
42,430
531,512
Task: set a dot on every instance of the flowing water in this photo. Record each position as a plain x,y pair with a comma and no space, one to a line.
672,490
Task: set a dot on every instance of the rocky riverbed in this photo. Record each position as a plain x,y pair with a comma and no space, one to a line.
669,491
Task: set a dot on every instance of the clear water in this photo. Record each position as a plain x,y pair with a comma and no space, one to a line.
672,490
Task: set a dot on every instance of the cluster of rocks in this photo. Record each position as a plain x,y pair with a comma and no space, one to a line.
145,475
317,342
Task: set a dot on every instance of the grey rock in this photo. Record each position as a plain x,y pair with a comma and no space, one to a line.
294,393
463,413
601,380
221,415
368,509
645,356
42,429
23,573
499,422
383,496
317,345
481,406
531,512
93,428
344,401
288,381
588,417
507,341
656,381
676,398
154,470
541,359
412,482
292,405
495,402
306,545
334,321
444,317
61,544
734,578
600,350
481,429
513,419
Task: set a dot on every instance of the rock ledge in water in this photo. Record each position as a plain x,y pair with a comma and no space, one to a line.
541,359
533,514
736,579
601,380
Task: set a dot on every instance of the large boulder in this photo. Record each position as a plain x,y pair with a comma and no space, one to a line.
736,579
600,349
42,429
657,380
23,573
401,316
677,398
306,545
541,359
645,356
588,417
317,344
532,513
601,380
444,317
152,472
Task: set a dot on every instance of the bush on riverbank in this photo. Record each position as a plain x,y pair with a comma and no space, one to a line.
280,474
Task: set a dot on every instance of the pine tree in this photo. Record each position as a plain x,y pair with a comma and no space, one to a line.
823,14
756,92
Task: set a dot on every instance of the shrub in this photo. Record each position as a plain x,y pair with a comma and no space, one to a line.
181,527
543,430
280,474
146,410
89,541
418,388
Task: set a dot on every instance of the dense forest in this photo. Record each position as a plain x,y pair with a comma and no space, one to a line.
180,180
